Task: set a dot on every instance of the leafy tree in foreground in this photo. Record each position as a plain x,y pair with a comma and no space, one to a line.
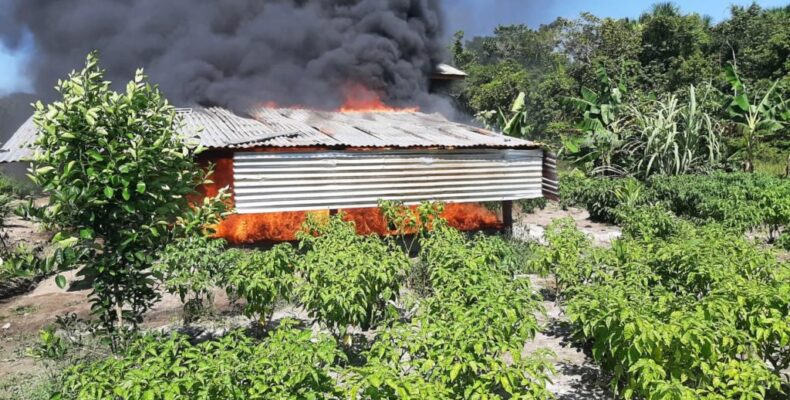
118,175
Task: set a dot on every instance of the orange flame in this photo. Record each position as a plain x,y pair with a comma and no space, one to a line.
282,226
358,98
471,217
256,228
361,99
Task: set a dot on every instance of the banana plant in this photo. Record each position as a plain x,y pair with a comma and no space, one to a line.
603,126
515,122
754,120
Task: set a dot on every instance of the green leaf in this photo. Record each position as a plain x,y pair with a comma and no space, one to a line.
520,103
742,102
60,280
108,192
140,187
455,371
589,96
44,170
126,194
86,234
95,155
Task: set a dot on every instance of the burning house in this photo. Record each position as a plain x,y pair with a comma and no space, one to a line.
256,75
282,163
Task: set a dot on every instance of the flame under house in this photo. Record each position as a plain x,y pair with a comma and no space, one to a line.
283,163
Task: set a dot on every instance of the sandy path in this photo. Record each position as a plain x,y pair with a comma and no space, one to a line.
577,377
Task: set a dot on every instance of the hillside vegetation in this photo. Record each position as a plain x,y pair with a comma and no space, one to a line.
617,92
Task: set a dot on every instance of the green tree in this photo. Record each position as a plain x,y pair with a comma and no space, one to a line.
758,40
613,44
603,126
675,48
118,174
490,87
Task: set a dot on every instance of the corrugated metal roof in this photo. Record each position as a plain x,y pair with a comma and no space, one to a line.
16,148
269,127
376,129
449,71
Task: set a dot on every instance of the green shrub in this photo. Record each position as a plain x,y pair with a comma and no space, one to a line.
601,197
474,277
455,264
783,242
573,185
679,311
649,222
288,364
567,246
261,278
741,201
456,346
16,188
347,279
191,267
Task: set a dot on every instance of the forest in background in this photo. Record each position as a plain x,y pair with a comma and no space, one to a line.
616,64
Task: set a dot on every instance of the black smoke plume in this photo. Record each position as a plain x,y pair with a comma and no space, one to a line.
236,53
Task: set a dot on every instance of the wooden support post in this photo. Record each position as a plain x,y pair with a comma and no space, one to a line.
507,215
333,212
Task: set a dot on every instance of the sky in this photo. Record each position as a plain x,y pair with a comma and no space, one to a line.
475,17
480,17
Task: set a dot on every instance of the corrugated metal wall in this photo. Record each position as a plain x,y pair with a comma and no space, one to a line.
271,182
551,179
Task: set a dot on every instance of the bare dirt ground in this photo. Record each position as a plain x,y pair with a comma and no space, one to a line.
577,377
22,316
532,226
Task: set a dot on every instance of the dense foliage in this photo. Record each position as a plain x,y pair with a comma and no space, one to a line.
464,339
260,278
456,346
347,279
738,201
288,364
665,93
695,313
